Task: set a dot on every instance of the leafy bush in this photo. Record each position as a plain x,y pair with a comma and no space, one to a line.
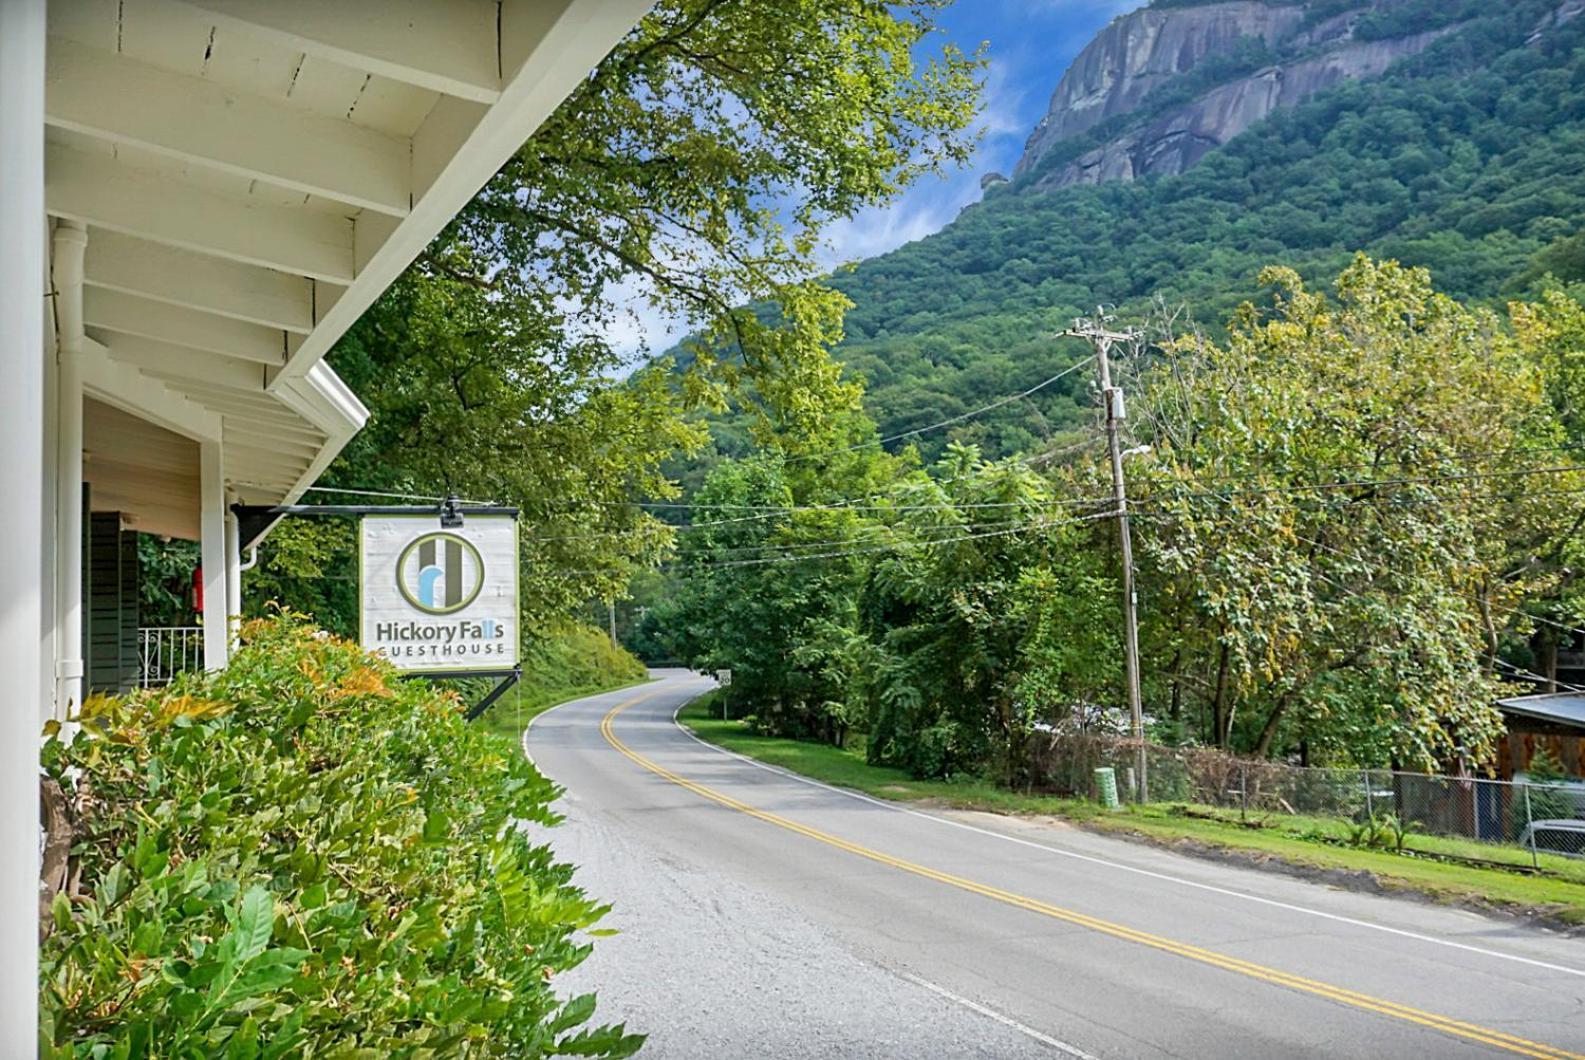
302,856
570,658
1387,832
1549,800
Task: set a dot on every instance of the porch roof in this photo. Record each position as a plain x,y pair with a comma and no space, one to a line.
254,173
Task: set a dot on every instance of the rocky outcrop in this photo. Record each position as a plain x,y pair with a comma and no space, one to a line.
1172,143
1566,12
1141,53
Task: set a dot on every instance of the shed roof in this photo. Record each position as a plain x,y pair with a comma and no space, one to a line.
1559,708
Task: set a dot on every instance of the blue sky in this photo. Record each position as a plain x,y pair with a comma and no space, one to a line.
1029,44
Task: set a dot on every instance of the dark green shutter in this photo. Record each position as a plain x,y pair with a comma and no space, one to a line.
110,619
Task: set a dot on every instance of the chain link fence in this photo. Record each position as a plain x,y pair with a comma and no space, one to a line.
1366,807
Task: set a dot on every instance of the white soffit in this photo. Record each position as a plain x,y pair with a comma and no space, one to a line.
255,173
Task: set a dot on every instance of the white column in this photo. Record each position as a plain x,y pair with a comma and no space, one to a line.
71,239
212,553
233,576
22,353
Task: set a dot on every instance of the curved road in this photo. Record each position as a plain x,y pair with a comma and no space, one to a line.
762,914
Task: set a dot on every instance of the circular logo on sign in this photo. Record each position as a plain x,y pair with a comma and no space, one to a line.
440,573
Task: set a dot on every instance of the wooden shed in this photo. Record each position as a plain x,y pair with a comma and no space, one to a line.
1552,720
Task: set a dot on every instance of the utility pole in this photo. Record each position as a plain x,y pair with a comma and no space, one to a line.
610,606
1102,340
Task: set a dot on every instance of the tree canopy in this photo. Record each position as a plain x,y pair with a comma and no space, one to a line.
1348,525
694,170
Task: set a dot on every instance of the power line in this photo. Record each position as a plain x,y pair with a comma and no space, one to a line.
898,545
1496,661
1161,492
1375,483
392,496
871,531
1473,599
1355,557
1465,455
999,403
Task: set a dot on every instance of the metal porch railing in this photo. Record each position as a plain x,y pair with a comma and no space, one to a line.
165,651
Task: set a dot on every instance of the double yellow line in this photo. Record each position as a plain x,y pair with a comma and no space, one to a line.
1445,1024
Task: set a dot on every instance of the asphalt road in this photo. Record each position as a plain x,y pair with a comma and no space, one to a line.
763,915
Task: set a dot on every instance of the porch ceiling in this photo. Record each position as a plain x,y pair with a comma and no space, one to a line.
142,470
254,173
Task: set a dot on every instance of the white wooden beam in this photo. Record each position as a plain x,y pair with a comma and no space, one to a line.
557,44
111,97
129,390
447,46
285,424
300,452
128,314
212,553
96,189
273,299
236,404
251,462
180,363
222,398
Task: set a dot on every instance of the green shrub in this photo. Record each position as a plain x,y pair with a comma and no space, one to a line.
1549,800
302,856
566,660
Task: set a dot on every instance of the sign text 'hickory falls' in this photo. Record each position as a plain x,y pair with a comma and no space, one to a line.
440,600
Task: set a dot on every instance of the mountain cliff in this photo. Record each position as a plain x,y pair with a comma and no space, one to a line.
1162,87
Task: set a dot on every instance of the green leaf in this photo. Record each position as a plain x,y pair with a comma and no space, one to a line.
244,1042
255,923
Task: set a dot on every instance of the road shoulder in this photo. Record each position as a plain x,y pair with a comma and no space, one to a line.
1548,903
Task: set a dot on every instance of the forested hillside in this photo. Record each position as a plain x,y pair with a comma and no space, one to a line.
1351,530
1464,159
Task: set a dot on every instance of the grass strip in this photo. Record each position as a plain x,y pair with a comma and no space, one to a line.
1305,844
510,714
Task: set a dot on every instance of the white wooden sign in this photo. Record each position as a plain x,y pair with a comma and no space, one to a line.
437,601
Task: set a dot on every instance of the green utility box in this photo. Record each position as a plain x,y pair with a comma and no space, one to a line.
1106,787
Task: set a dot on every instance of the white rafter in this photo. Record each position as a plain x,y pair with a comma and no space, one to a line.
447,46
95,188
255,173
119,262
233,339
130,390
555,43
183,364
111,97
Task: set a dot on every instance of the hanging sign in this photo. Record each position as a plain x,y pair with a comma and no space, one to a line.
440,600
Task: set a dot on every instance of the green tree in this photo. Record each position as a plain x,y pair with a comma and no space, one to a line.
1548,800
699,166
767,588
694,170
982,612
1331,495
